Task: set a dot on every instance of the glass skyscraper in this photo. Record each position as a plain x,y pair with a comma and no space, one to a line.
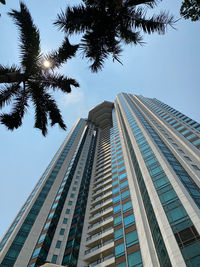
122,190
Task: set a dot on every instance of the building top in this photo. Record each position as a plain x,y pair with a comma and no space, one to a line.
101,115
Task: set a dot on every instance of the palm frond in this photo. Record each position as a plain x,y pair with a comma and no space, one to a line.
133,3
54,112
29,39
157,23
58,81
39,101
5,69
10,75
130,37
65,52
7,93
14,119
76,19
94,48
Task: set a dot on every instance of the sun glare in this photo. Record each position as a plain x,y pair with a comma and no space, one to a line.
46,64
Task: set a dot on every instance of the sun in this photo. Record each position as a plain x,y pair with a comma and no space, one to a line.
46,64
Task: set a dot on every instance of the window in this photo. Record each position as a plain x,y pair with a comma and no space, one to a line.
123,185
60,190
118,234
62,230
51,215
54,206
121,169
57,197
129,220
54,258
115,191
117,209
196,142
119,250
58,244
114,176
41,239
191,136
65,221
116,199
73,188
122,176
195,167
135,259
185,132
114,183
180,128
36,252
127,206
67,211
70,203
117,220
131,238
72,195
46,225
125,194
114,170
187,158
180,150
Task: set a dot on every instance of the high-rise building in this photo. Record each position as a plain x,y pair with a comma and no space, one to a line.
122,190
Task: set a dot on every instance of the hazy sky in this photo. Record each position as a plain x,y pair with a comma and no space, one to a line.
166,67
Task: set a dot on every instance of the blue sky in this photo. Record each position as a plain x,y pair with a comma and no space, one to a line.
166,67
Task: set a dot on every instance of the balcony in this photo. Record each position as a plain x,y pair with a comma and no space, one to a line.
108,261
103,173
100,225
102,197
103,189
103,177
102,182
102,204
103,235
102,213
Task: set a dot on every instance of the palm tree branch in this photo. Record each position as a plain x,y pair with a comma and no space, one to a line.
133,3
7,93
14,119
54,112
129,37
57,81
94,48
65,52
157,23
39,102
76,19
29,39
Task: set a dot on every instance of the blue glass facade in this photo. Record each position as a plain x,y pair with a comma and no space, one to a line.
176,214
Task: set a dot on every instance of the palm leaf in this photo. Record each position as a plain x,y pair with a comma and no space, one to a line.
5,70
14,119
54,112
40,105
93,47
157,23
7,93
77,19
132,3
57,81
29,39
65,52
